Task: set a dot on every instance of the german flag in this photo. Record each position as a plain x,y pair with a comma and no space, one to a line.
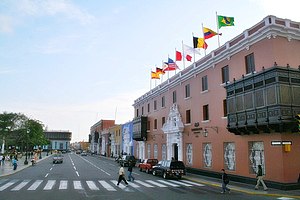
159,71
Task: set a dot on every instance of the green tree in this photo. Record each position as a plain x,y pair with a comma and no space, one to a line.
9,123
18,130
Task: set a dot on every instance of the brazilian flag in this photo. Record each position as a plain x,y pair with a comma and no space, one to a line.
225,21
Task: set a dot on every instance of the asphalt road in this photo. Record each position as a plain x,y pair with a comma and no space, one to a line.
93,177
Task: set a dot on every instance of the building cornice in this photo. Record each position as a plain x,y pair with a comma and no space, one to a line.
270,27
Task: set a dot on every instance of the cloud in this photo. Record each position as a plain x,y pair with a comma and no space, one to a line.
53,8
6,24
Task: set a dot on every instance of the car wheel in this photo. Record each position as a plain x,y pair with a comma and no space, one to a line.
165,175
154,173
141,169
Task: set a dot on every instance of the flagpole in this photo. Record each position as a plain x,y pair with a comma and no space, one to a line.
194,51
183,54
150,78
175,61
168,70
218,28
203,39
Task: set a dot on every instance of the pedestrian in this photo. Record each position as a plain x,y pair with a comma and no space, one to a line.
3,159
130,167
225,181
14,163
260,178
1,156
121,176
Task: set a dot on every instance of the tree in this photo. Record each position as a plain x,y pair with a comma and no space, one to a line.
21,131
9,122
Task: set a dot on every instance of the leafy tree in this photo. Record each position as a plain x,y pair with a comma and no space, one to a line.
17,129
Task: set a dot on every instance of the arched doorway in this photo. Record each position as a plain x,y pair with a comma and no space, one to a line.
173,129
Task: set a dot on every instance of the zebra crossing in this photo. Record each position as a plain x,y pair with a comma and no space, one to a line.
92,185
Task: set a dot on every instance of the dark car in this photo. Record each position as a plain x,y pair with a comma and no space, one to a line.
147,165
126,159
169,169
58,158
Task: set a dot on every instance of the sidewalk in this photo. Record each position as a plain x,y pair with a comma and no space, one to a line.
7,168
242,187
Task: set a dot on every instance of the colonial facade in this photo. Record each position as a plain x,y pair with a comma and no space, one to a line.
99,136
59,140
232,109
116,140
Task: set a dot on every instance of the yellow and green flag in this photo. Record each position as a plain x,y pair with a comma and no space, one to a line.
225,21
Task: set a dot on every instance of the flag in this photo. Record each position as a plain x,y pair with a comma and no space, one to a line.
154,75
170,65
159,71
187,50
178,56
225,21
208,33
199,43
188,58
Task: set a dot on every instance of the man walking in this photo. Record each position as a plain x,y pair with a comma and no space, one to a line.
130,172
225,181
260,178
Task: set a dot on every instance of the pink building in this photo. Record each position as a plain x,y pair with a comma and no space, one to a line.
234,108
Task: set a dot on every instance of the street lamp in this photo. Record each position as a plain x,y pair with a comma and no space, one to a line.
40,152
26,161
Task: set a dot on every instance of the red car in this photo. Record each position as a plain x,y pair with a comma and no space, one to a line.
147,165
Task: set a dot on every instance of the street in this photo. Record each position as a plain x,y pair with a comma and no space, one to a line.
94,177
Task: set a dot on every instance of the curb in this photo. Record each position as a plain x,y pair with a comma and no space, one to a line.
239,189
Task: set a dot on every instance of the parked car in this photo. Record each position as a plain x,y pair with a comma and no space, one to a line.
126,159
83,153
169,169
147,165
57,158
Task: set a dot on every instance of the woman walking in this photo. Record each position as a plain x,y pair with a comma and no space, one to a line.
121,176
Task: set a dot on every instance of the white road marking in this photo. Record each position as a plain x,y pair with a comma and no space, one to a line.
63,185
168,183
157,184
193,183
144,184
107,186
46,175
92,185
181,183
35,185
20,186
134,185
77,185
77,173
10,183
49,184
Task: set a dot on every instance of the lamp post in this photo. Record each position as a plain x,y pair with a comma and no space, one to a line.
3,140
26,161
40,152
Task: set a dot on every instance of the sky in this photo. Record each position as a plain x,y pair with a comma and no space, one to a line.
71,63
